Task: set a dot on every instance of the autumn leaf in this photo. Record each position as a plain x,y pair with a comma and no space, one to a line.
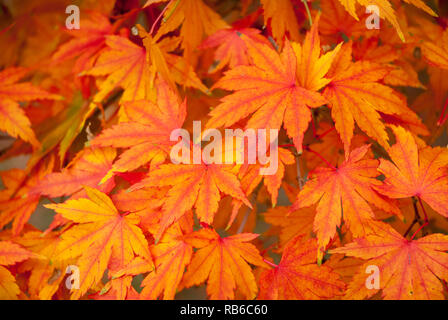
282,18
437,53
193,185
336,22
298,277
86,169
13,118
231,48
385,9
145,131
346,189
86,43
17,204
171,255
10,253
224,262
276,88
420,173
125,66
408,269
292,224
355,95
250,178
101,238
196,20
46,273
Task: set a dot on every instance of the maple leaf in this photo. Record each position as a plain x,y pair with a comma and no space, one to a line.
10,253
292,224
385,9
86,169
278,88
401,74
101,238
126,66
231,48
196,19
87,42
13,119
437,52
117,289
251,178
336,21
297,276
420,173
355,94
224,262
171,256
45,272
145,131
347,189
282,18
408,269
197,185
16,202
173,68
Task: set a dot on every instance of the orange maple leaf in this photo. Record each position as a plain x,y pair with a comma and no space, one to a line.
292,224
408,269
297,276
145,130
347,189
231,48
421,173
173,68
87,42
224,262
437,52
12,118
86,169
45,272
197,185
385,9
16,202
10,253
102,237
197,20
282,18
251,178
126,66
171,255
277,88
355,94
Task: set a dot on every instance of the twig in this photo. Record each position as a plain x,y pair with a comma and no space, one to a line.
299,173
270,263
159,17
416,218
305,3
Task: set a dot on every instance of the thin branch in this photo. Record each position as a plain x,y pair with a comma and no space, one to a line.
159,17
444,114
270,263
423,208
418,230
305,3
299,173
